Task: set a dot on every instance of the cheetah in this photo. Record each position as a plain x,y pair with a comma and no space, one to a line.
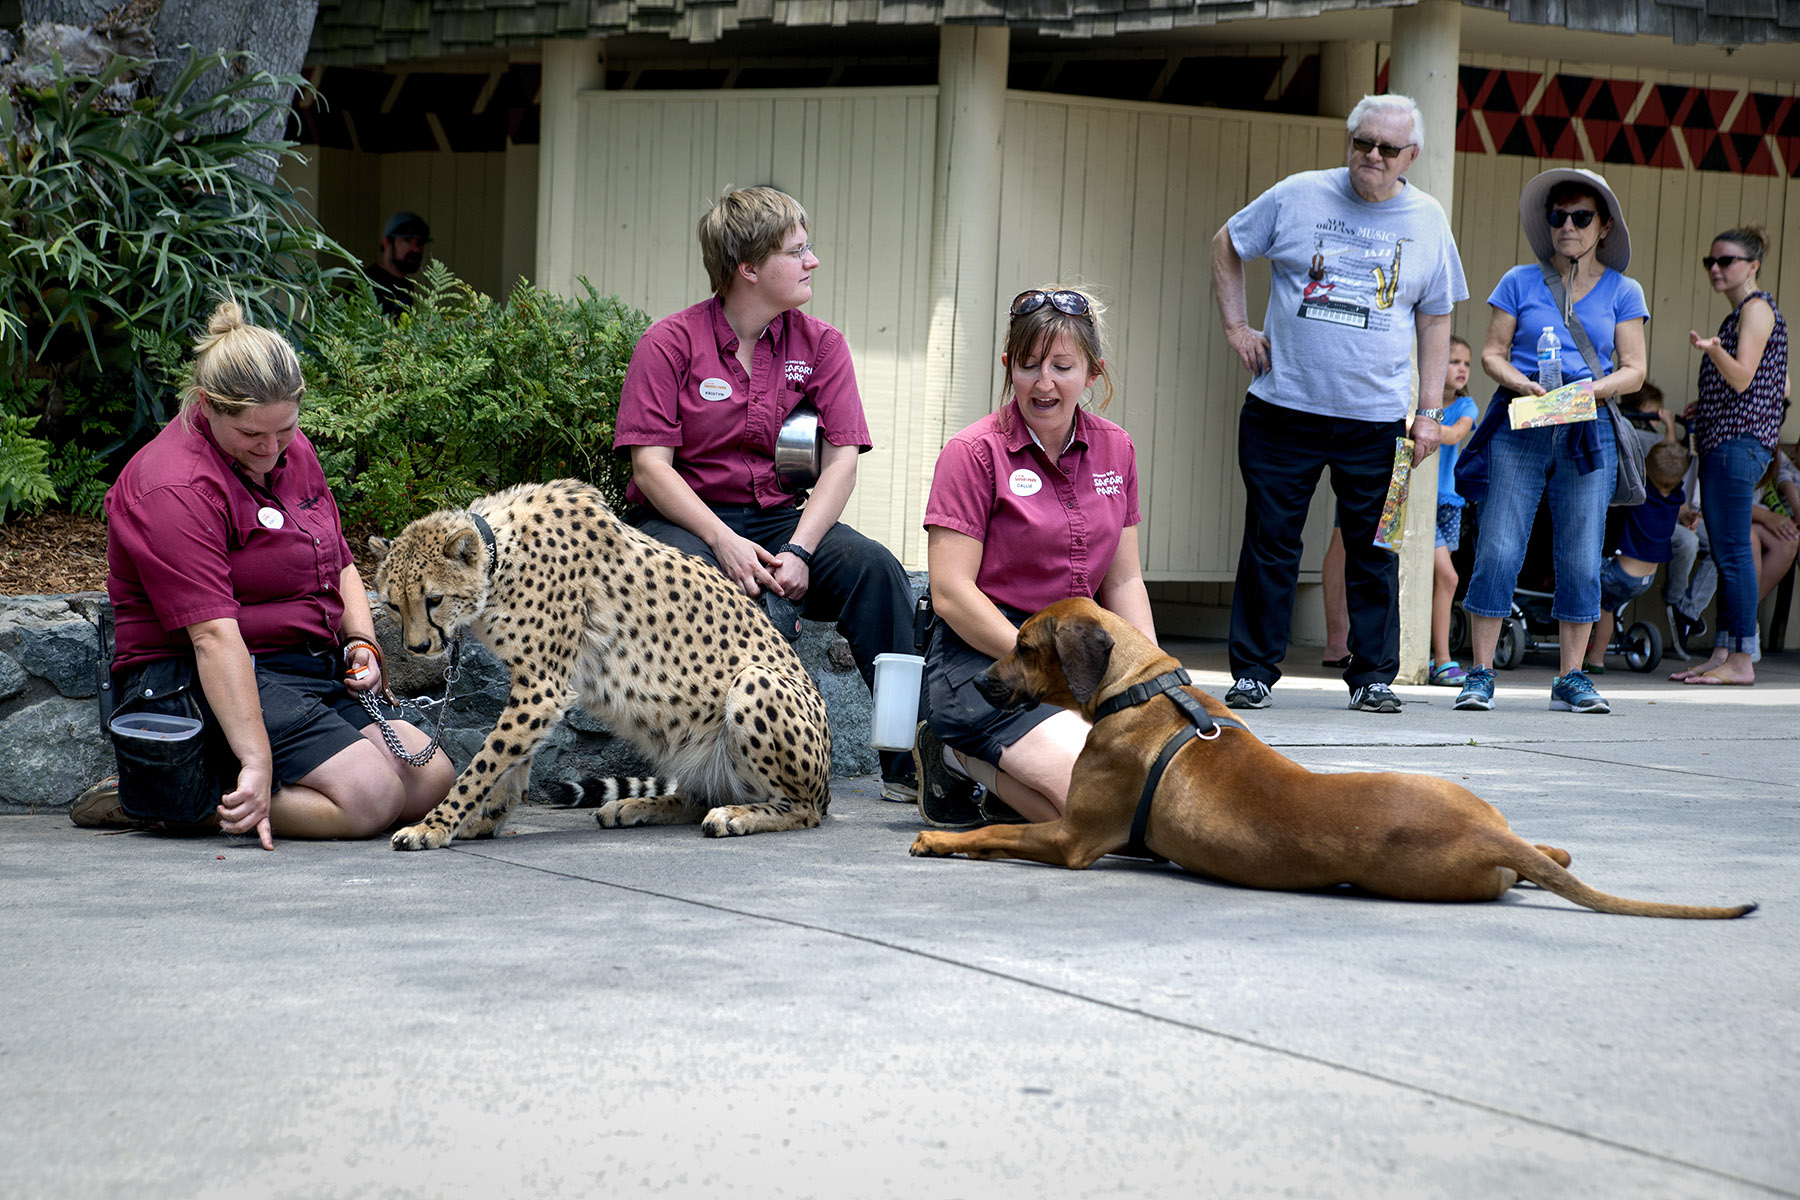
657,644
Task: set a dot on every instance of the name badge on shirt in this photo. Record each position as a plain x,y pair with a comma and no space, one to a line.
1025,482
270,518
715,389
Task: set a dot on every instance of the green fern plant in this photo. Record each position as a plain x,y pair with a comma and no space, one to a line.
464,395
25,480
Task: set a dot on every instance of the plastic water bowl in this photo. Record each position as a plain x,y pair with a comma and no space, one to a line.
155,727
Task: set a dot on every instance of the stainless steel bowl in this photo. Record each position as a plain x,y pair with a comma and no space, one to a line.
798,448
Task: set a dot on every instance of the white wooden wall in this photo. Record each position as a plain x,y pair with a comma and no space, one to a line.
1125,198
481,207
861,162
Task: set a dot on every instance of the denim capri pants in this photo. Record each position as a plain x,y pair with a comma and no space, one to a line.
1523,465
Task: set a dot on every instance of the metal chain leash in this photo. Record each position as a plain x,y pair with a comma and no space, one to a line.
452,672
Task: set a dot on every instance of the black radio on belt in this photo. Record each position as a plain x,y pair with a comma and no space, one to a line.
922,618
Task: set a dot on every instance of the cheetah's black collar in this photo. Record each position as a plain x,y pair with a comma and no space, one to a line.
487,539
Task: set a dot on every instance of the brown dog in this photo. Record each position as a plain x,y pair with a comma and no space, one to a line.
1237,810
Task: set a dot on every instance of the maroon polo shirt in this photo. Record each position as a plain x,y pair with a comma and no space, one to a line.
685,388
1049,528
189,539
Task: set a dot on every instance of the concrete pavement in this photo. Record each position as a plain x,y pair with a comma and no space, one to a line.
566,1010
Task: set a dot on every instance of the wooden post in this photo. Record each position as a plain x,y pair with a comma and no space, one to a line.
571,66
1423,65
1346,75
961,353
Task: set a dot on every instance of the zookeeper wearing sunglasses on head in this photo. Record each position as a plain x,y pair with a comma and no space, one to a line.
1030,505
1362,266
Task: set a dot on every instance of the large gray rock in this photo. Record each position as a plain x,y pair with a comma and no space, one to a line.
49,639
54,750
13,679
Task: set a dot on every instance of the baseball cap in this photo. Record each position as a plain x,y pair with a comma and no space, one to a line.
406,224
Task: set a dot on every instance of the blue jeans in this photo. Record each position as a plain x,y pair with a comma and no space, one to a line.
1728,477
1522,463
1619,587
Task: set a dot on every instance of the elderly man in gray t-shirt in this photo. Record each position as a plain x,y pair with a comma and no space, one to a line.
1363,264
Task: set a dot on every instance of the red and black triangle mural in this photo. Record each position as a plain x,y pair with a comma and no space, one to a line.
1625,121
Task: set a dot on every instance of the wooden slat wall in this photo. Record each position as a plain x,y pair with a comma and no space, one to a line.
1125,198
1122,196
482,207
861,162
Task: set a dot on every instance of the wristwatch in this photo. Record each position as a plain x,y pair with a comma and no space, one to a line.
799,552
1436,414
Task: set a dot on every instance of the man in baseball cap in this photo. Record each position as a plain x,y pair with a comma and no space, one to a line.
403,241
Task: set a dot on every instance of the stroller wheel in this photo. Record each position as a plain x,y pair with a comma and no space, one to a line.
1643,647
1459,629
1509,651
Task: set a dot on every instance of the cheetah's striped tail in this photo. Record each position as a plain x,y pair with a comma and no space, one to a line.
593,792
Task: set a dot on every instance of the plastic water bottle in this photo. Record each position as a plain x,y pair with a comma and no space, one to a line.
1549,360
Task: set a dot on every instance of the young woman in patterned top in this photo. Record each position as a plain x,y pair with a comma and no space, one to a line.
1743,395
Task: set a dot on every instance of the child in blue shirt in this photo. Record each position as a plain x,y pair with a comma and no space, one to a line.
1644,540
1459,420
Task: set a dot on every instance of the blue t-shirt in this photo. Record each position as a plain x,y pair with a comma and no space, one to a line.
1523,293
1459,408
1649,526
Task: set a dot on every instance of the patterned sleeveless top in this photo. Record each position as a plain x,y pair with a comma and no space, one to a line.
1755,412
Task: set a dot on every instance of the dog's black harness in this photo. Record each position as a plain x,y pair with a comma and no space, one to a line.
1202,725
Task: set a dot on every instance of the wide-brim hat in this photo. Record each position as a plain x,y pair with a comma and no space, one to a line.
1615,250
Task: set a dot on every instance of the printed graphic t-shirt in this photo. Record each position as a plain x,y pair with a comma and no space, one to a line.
1347,277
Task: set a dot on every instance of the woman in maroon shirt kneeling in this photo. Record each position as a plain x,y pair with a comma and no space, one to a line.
236,603
1030,505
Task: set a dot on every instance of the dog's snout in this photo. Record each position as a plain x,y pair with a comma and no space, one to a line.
997,692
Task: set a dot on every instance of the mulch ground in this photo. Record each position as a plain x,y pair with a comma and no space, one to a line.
52,553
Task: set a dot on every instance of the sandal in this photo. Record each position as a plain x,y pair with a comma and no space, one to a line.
1447,674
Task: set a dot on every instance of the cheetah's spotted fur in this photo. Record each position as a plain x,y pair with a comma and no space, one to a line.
657,644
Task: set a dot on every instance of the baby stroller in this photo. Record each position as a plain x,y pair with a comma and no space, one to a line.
1532,630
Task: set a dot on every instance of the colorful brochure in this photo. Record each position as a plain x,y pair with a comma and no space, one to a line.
1390,531
1568,404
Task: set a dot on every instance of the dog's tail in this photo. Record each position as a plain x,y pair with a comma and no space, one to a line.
592,792
1533,864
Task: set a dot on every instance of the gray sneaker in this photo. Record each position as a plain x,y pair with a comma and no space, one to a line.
1376,698
1248,693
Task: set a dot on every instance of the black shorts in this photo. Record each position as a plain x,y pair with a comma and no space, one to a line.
309,715
957,712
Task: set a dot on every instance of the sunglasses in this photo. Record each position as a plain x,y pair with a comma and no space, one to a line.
1364,145
1073,303
1723,262
1582,217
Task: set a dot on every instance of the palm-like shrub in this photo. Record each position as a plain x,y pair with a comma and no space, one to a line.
122,221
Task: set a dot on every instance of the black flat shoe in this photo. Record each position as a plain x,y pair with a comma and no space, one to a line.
946,800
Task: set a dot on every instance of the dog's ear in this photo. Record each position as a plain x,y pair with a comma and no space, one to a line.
1085,648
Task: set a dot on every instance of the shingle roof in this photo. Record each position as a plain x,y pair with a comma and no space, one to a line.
350,32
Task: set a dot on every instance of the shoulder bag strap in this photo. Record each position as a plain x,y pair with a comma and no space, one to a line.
1582,342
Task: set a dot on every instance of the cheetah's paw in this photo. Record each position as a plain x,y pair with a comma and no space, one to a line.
420,837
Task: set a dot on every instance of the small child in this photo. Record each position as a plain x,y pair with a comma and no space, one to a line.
1459,420
1643,541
